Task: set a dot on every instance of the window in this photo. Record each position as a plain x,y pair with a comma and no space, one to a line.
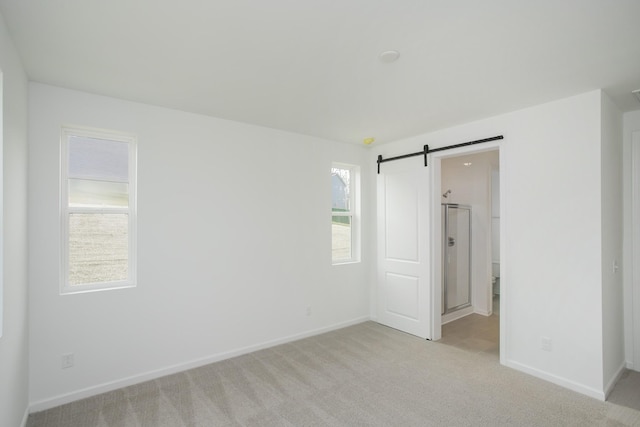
98,210
344,214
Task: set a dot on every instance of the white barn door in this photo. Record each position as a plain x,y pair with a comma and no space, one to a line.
404,291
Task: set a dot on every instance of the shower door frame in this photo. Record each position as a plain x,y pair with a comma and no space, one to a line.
445,275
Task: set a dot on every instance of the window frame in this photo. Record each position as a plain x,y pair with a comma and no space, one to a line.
353,213
66,211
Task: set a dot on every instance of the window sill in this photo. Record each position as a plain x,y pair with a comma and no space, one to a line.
85,289
346,262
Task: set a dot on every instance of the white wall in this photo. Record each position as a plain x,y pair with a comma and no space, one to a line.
631,124
471,185
14,340
551,280
234,243
612,298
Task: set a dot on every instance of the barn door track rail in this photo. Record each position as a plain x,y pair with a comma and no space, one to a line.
426,150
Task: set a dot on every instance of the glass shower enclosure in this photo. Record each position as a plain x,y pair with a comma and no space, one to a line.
456,257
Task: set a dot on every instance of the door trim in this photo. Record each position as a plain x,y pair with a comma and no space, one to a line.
635,251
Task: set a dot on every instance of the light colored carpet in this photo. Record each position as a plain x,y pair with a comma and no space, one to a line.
363,375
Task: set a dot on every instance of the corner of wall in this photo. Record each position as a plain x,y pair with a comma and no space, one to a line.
14,369
612,243
631,291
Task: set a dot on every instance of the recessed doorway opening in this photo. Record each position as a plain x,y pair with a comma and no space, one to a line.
467,260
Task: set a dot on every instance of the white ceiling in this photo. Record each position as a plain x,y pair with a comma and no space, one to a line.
311,66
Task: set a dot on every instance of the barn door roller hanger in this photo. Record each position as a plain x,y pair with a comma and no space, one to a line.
426,150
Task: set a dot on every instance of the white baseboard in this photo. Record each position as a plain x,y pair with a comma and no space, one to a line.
459,314
25,417
563,382
483,312
630,366
151,375
612,383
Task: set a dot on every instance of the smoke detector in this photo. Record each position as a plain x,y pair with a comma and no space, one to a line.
636,93
389,56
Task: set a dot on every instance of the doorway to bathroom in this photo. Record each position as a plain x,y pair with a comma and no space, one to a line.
467,264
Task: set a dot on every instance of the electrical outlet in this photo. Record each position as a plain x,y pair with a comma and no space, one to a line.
67,360
309,310
545,343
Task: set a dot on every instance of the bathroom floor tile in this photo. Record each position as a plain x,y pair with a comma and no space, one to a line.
474,333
